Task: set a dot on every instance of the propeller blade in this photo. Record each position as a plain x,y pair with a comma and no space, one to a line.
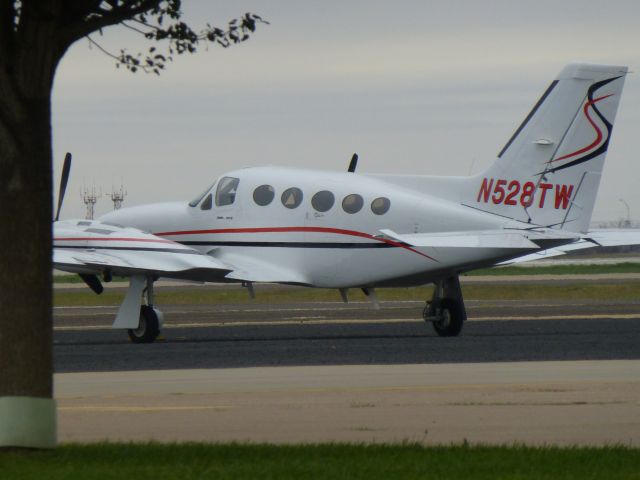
353,164
66,168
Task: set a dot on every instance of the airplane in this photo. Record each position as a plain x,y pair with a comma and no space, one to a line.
345,230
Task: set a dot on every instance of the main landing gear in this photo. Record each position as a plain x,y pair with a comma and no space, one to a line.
446,309
150,320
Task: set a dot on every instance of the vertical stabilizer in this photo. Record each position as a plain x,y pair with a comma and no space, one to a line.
548,173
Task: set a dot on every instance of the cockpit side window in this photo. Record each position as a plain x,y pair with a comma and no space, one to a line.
208,203
199,198
226,191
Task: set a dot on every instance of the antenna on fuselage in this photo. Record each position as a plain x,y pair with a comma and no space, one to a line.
353,163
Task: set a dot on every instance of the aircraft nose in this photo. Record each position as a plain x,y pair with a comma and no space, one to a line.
126,217
113,217
157,217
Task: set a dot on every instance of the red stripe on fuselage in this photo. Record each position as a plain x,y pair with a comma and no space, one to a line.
336,231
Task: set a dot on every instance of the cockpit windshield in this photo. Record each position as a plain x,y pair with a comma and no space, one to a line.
197,200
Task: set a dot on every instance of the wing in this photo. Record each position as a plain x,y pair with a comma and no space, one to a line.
251,269
471,239
92,248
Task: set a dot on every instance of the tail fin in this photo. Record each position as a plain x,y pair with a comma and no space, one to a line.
548,173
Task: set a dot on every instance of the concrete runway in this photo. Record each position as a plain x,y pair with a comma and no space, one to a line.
561,403
531,372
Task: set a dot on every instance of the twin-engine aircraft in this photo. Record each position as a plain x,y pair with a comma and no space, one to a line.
347,230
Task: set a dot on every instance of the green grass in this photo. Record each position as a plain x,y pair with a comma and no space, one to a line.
554,291
72,278
203,295
628,290
331,461
626,267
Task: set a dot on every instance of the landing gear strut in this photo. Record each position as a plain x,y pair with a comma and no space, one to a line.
446,309
150,318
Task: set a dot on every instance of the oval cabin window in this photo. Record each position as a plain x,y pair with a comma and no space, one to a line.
263,195
323,201
380,205
352,203
291,197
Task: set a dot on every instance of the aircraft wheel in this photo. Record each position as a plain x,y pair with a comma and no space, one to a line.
450,318
148,328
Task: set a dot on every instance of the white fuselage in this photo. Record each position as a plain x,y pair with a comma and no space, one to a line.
332,248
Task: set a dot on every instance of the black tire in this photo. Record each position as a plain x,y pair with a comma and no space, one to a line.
148,328
450,325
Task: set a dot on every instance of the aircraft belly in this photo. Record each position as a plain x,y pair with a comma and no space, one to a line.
453,261
463,258
265,264
364,267
389,267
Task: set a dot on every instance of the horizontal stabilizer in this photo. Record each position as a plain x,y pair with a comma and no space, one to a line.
614,237
594,238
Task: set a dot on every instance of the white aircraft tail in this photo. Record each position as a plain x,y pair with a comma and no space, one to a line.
548,173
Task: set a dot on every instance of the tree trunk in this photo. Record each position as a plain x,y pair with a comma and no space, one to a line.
27,410
25,257
26,352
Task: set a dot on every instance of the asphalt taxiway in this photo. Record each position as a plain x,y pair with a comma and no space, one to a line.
254,335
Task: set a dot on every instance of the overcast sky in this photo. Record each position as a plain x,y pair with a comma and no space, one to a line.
413,86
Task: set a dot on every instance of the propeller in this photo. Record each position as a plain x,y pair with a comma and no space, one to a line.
93,282
66,168
353,164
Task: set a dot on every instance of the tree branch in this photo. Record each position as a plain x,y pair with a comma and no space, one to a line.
102,49
99,18
180,37
131,27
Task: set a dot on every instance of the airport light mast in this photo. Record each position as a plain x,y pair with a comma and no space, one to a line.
117,197
89,197
627,222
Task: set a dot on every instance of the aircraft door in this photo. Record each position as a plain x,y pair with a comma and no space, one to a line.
321,217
